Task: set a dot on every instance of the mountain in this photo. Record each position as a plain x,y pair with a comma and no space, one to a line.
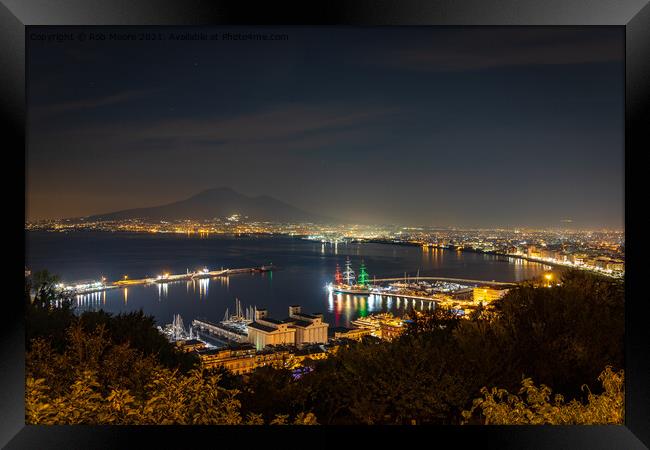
219,202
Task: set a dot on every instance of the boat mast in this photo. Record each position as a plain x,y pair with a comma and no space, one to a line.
348,275
363,275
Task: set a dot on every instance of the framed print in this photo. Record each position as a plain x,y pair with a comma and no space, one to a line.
406,217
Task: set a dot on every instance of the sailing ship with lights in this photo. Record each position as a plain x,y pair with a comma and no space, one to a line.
347,282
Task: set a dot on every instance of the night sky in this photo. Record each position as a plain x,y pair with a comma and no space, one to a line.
474,127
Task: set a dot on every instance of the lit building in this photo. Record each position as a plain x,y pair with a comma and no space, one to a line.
190,345
591,262
277,358
310,328
462,294
267,331
488,294
239,360
601,263
312,352
617,265
351,333
547,253
298,329
578,259
390,329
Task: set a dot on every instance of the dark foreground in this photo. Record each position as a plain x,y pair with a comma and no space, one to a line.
539,356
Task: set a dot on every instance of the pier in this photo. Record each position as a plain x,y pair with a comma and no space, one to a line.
160,279
434,299
220,330
452,280
347,283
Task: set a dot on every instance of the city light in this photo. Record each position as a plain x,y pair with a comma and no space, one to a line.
548,277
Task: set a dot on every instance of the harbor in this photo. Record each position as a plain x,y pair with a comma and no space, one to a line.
94,286
425,289
460,296
232,330
302,271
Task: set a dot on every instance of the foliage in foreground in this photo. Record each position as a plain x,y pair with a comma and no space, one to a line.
88,385
49,315
533,405
102,369
97,370
433,372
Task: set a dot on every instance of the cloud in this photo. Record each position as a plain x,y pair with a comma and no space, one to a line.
288,122
92,103
304,129
290,127
478,49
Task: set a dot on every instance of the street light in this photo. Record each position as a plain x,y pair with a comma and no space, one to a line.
549,277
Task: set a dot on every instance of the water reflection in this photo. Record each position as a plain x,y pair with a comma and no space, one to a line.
203,287
90,301
363,307
163,290
354,306
338,308
305,270
346,312
224,281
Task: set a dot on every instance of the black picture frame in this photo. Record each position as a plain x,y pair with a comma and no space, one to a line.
633,15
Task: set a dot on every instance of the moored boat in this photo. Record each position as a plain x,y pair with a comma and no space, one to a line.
347,282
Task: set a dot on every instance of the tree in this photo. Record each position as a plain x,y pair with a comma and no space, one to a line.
305,419
97,381
564,335
43,283
100,368
48,310
268,392
533,405
301,419
139,331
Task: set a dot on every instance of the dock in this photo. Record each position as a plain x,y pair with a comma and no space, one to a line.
220,330
434,298
162,279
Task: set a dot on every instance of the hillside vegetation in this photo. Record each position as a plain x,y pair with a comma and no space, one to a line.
539,356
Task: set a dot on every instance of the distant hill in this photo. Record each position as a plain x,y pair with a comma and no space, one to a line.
220,202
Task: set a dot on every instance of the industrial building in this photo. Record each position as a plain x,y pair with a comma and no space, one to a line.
299,328
267,331
310,328
488,294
